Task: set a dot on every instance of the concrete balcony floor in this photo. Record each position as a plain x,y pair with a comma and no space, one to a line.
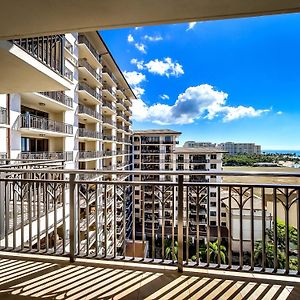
39,277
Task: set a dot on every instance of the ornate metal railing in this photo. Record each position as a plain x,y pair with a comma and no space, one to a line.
35,122
60,97
48,49
108,121
250,226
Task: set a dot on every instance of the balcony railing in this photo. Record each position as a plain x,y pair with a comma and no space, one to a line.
112,76
82,109
3,116
109,121
82,132
251,226
59,97
108,104
47,49
35,122
89,154
83,40
69,74
64,155
69,46
109,137
109,88
83,63
91,91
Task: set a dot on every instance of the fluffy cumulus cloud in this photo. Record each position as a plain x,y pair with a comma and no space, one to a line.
165,67
202,101
130,38
191,25
135,79
154,38
141,47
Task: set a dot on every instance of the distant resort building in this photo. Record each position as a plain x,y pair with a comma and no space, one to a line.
230,147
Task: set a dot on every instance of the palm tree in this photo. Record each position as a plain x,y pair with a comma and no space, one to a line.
214,249
213,252
168,249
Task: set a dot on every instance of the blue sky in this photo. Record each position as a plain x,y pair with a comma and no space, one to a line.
231,80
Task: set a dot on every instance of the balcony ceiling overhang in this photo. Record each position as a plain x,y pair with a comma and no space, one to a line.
23,73
59,16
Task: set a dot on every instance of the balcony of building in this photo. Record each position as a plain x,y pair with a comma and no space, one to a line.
89,155
109,79
44,70
89,135
88,73
108,122
33,125
45,155
88,51
88,95
174,239
108,108
51,101
88,114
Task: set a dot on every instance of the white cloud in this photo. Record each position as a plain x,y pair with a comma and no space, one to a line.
279,112
154,38
164,97
137,28
141,47
165,67
201,101
191,25
134,78
138,91
130,38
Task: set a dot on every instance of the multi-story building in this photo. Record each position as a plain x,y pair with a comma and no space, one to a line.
87,126
156,150
153,151
194,144
240,148
202,159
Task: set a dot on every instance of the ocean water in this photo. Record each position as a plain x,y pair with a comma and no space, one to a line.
297,152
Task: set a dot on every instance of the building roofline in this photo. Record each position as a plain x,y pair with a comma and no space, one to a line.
198,150
156,131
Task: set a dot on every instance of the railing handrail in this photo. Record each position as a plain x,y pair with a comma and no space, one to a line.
59,96
90,90
82,62
83,132
37,122
89,111
84,40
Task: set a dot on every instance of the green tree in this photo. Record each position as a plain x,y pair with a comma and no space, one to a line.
168,249
258,250
213,252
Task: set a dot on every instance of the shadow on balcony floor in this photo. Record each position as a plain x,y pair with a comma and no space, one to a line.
42,278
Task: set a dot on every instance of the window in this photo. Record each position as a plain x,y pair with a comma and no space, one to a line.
213,166
213,204
213,176
136,139
136,166
137,192
213,223
136,156
136,148
137,201
213,194
213,156
137,210
223,224
223,204
223,214
213,213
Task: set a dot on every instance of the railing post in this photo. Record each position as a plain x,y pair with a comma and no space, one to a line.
72,216
180,223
